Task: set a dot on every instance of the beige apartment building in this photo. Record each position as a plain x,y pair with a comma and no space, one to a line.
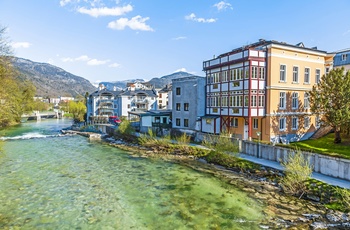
260,91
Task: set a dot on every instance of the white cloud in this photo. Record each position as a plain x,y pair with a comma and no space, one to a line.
17,45
346,32
180,38
104,11
86,59
97,62
114,65
193,17
64,2
83,58
67,59
135,23
223,5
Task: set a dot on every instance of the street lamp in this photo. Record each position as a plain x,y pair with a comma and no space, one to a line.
258,133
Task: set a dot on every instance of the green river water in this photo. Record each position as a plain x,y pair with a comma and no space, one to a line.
50,181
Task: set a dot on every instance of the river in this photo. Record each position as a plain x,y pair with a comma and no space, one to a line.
51,181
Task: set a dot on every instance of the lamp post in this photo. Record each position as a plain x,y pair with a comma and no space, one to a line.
258,152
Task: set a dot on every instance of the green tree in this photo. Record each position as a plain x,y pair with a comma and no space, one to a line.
16,96
78,109
330,99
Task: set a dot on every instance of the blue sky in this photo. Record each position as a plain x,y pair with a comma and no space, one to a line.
104,40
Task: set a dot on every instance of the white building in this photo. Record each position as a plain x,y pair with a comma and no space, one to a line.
137,97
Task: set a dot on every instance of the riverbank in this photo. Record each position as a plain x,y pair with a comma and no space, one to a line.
282,211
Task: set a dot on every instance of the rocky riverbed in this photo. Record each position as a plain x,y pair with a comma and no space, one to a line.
282,211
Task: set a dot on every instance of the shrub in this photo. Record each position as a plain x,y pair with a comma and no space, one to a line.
298,170
125,129
183,139
344,195
221,143
151,139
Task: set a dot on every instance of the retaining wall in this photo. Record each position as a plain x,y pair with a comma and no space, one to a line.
327,165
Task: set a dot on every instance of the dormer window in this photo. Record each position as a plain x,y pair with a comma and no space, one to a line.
344,57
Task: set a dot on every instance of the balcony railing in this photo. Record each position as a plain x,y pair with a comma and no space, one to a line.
161,125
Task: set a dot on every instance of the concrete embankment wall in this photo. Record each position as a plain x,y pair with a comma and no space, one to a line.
327,165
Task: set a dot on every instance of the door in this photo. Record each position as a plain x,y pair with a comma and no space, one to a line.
245,134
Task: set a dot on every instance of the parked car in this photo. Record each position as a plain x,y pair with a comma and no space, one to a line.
114,120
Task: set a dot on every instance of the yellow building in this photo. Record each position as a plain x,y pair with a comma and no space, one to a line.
261,91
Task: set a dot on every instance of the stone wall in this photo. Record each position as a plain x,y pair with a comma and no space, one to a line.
327,165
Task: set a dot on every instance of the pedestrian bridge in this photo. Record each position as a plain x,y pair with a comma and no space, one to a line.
37,115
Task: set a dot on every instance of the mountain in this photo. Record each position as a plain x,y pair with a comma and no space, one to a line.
119,85
50,80
158,83
165,80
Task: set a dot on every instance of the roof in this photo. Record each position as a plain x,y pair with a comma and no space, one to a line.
99,92
151,113
210,117
151,93
263,42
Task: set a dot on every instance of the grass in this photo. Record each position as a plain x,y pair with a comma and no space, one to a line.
325,146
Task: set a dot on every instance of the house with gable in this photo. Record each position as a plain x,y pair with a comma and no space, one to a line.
260,91
102,104
137,96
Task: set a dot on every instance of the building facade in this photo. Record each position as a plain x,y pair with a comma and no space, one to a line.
187,101
137,97
102,104
261,90
163,97
342,59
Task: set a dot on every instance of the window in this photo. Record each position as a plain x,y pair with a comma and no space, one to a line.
295,101
234,122
208,121
224,76
236,101
213,101
262,73
160,101
224,101
253,100
246,72
178,91
186,106
246,101
215,86
178,122
254,72
216,77
306,100
129,106
306,122
255,123
318,122
186,122
283,73
295,74
307,76
178,106
261,101
344,57
160,95
282,100
282,123
318,76
294,123
327,70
